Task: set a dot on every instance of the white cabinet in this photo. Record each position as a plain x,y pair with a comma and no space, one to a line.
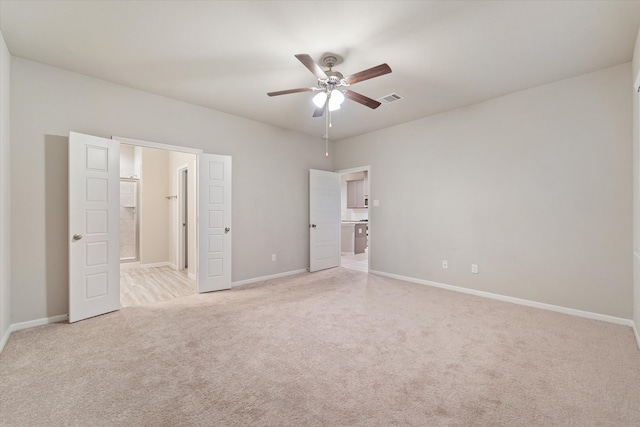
355,194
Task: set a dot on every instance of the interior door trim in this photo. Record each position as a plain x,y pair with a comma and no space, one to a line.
161,146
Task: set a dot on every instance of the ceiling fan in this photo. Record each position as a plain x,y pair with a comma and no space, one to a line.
330,95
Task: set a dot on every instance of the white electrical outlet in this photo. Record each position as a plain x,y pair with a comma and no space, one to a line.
445,263
273,257
474,268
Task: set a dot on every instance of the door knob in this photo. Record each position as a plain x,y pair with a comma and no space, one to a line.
227,229
312,226
77,236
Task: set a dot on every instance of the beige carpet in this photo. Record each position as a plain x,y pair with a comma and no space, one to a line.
334,348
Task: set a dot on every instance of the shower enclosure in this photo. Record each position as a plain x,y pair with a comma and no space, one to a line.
128,220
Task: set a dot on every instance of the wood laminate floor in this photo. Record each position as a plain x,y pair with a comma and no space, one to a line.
141,286
356,262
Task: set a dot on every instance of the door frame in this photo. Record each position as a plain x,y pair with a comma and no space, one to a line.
168,147
182,217
158,145
355,170
195,175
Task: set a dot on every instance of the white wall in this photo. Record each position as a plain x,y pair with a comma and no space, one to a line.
534,187
154,207
130,161
5,191
270,175
636,189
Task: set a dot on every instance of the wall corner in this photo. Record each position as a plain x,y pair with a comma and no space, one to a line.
5,192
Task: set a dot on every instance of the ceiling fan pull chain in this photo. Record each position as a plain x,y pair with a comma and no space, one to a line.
326,131
326,124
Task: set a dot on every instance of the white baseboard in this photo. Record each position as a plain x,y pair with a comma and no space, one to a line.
636,327
30,324
127,265
192,276
574,312
520,301
5,338
272,276
157,264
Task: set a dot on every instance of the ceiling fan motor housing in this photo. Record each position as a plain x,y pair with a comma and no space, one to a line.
330,60
334,78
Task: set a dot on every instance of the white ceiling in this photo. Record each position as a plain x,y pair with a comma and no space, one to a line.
226,55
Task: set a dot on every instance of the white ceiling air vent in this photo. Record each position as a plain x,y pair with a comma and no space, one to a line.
388,99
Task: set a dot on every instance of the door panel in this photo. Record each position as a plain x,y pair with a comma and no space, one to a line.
94,261
324,220
214,223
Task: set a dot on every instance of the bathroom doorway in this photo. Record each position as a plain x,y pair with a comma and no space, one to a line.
157,225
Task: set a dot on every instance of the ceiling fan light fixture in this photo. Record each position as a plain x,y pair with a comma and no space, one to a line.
320,99
335,100
337,96
333,106
329,98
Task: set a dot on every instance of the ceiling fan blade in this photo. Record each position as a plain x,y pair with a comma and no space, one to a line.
308,62
319,112
364,100
369,73
285,92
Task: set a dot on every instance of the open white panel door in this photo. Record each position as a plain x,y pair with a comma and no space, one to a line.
94,227
324,220
214,223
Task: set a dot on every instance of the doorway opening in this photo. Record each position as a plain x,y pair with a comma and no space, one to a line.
94,193
156,246
354,227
